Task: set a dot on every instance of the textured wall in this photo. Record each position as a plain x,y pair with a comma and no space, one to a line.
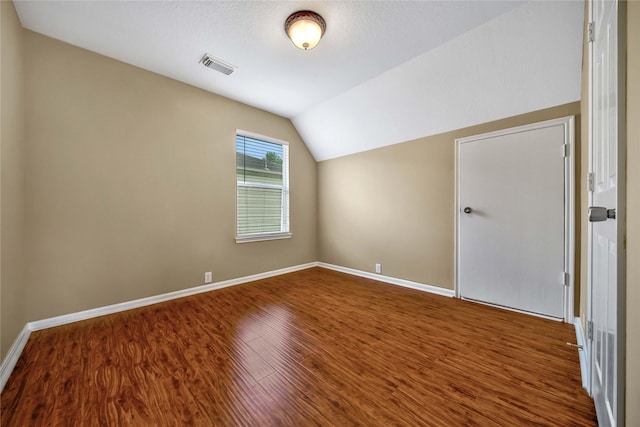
12,191
131,183
394,205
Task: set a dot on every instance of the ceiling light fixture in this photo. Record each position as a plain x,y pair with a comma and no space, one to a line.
305,28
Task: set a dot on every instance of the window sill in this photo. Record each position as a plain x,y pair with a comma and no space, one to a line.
262,237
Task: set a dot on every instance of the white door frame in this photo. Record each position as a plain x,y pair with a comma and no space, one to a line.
569,186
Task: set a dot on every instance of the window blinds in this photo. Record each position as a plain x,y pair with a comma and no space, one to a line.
262,171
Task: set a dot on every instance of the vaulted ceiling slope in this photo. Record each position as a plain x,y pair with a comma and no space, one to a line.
385,72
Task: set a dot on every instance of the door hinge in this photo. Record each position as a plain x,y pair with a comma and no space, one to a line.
565,150
590,35
565,278
590,181
589,330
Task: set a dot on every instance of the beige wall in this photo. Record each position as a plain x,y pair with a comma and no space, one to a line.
131,183
633,215
394,205
12,226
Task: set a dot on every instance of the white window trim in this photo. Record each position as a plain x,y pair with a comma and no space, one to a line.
261,137
261,237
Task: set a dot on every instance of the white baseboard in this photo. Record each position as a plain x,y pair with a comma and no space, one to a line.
13,355
14,352
582,353
142,302
392,280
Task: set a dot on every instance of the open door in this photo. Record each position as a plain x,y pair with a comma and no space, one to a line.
605,328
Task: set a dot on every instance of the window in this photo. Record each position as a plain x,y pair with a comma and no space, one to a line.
262,172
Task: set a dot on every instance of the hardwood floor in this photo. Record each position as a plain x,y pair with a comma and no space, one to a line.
315,347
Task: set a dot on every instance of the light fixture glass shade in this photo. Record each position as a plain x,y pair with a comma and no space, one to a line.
305,29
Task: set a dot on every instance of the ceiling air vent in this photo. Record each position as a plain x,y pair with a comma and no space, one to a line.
217,64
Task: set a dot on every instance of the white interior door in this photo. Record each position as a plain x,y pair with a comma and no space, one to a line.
512,218
604,287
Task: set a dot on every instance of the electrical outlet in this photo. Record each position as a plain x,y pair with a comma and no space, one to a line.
208,277
378,268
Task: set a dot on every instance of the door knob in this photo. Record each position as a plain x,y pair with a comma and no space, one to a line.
598,213
467,210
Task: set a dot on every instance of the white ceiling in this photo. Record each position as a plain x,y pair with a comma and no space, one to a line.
385,71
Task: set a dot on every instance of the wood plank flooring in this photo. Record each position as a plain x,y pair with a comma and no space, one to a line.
315,347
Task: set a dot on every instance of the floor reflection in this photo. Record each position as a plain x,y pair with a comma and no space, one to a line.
262,347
